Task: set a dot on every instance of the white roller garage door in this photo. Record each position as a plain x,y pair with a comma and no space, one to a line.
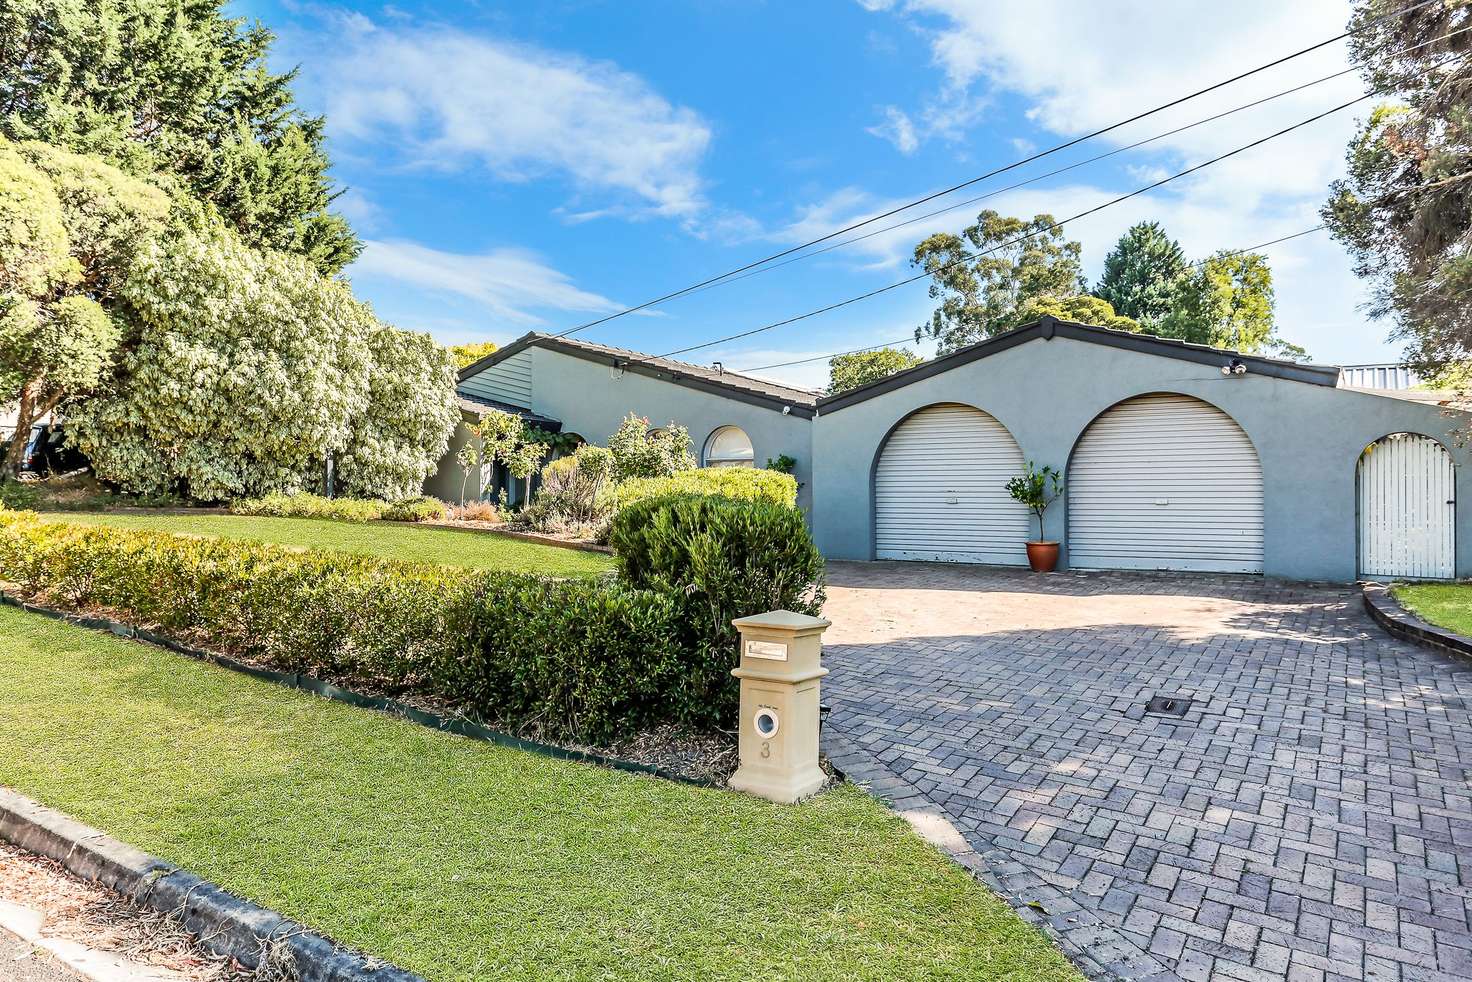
940,490
1165,482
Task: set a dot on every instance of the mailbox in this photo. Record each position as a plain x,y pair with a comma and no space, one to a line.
781,665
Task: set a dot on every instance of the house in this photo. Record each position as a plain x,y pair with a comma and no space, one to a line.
1175,456
566,385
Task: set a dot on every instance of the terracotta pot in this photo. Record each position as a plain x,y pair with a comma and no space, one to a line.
1042,556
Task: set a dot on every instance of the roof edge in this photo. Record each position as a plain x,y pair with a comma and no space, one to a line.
1047,328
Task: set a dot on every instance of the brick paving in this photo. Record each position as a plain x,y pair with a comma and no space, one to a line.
1309,818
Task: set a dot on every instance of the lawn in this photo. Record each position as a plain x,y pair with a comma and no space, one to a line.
463,860
1447,605
425,544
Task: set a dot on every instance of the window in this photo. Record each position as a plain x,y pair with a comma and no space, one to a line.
729,446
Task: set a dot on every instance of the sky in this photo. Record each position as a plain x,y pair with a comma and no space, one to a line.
534,166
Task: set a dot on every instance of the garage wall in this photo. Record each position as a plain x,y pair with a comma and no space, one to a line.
1046,392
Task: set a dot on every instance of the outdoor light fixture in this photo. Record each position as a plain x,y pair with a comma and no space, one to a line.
1236,367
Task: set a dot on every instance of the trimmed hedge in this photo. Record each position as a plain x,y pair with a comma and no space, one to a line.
340,509
553,658
741,483
720,559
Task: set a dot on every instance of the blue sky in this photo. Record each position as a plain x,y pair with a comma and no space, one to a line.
521,167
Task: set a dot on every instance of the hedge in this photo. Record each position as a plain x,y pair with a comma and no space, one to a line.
719,559
340,509
741,483
561,659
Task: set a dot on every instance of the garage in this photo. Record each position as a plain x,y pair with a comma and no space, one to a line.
1407,507
940,490
1166,482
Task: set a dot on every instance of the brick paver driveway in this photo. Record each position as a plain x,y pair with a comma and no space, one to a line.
1310,817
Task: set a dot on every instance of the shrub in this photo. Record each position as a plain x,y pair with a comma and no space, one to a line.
577,659
743,483
573,496
639,451
476,511
420,509
720,559
18,494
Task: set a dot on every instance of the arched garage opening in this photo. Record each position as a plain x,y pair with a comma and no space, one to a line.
1407,508
940,489
1165,481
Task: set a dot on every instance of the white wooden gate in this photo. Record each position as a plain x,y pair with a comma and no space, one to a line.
940,490
1165,481
1407,504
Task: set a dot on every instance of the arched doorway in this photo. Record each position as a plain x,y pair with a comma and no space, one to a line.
940,490
1165,481
1407,508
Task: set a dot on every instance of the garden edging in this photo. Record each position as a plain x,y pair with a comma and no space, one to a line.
224,923
1386,611
457,725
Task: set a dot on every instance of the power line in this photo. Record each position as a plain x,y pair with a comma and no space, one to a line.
1000,170
911,336
1056,225
734,278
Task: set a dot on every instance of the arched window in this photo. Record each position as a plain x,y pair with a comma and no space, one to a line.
729,446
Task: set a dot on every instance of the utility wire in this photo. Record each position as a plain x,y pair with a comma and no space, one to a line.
1054,226
735,278
911,337
1001,170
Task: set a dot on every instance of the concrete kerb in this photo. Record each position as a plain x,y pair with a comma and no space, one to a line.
1386,611
224,923
1096,949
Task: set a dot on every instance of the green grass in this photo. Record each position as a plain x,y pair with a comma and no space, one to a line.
1447,605
447,547
463,860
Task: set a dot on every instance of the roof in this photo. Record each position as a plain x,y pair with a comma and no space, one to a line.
745,388
1454,398
1048,328
479,406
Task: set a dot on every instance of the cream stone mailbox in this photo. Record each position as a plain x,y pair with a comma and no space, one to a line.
781,655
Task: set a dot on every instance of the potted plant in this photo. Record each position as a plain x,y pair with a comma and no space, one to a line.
1037,488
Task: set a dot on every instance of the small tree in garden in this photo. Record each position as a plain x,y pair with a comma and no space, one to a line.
468,457
505,439
1037,488
639,451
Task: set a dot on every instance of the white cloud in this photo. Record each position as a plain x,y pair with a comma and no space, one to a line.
898,129
446,98
509,283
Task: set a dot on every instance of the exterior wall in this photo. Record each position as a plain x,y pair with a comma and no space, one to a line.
1046,392
445,482
592,399
508,381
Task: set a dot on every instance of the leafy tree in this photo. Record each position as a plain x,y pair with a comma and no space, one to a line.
1140,274
70,228
245,369
405,427
1228,302
984,276
1404,209
862,367
466,355
639,451
1081,309
174,86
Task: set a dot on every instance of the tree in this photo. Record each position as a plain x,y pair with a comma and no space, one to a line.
245,369
70,228
984,276
405,427
466,355
1140,274
1081,309
174,86
862,367
1228,302
1404,210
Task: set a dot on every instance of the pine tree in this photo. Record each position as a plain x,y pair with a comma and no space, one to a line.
1140,274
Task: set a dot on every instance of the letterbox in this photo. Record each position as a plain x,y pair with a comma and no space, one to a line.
780,670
